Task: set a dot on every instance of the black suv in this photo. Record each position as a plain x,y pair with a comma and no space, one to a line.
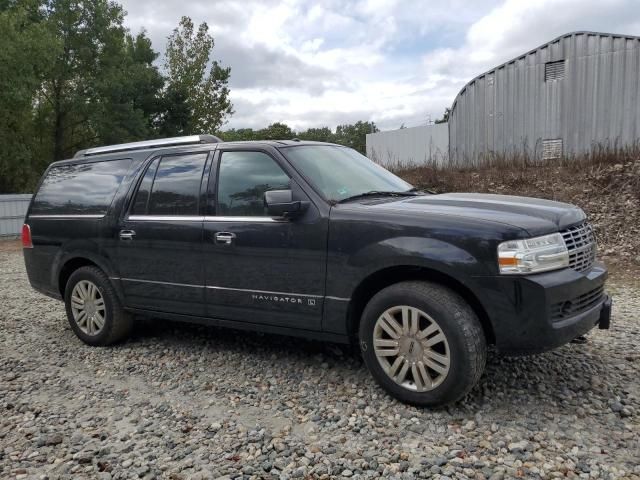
315,240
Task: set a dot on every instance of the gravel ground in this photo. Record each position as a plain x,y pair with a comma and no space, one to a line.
181,401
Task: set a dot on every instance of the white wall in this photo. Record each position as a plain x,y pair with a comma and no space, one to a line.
13,208
410,146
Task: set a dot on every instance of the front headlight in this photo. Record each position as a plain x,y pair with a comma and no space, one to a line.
533,255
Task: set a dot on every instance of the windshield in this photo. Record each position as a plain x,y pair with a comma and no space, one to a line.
340,172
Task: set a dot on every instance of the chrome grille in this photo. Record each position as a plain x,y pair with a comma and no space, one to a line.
577,305
581,243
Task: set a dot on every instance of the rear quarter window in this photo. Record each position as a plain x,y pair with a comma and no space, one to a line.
80,189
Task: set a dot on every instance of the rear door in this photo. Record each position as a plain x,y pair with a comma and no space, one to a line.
160,236
260,269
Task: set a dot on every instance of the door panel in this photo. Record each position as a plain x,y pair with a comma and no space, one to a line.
271,271
160,242
161,267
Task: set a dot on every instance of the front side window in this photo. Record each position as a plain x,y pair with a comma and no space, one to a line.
242,180
80,188
171,186
341,172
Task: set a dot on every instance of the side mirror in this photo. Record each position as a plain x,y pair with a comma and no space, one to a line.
280,203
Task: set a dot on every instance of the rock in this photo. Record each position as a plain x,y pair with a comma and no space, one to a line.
53,439
83,457
518,446
185,401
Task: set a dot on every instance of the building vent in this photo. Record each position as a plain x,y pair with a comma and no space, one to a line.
554,70
551,149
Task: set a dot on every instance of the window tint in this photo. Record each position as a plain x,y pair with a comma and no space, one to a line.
142,197
81,188
176,186
243,179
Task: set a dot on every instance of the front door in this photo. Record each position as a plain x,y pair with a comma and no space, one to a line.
260,269
160,238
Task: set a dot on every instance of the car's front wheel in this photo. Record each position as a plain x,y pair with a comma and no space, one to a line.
422,343
93,308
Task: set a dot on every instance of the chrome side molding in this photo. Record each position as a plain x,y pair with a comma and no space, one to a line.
247,290
198,218
70,215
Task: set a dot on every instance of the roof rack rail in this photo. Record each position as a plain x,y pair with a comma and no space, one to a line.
159,142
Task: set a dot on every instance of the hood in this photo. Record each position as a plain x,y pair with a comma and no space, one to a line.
535,215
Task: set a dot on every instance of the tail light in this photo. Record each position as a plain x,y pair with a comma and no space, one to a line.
26,236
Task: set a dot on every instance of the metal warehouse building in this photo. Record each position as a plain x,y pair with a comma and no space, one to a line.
564,97
574,93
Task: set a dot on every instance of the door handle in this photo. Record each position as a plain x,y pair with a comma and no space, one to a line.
127,234
224,238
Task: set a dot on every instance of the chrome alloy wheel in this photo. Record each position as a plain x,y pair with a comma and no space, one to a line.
411,348
87,306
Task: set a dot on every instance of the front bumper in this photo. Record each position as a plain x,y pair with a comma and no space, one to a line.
535,313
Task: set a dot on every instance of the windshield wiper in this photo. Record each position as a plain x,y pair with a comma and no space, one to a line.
378,193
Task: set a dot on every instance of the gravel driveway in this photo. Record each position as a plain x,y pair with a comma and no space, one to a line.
181,401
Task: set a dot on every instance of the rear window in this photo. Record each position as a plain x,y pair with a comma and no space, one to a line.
171,187
177,185
80,189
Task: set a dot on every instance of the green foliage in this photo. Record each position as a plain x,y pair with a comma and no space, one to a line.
25,57
276,131
354,136
238,135
193,86
445,116
323,134
72,76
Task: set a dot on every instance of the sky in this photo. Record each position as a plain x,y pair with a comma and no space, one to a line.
329,62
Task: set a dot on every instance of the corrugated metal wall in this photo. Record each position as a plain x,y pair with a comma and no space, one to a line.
512,109
409,146
13,208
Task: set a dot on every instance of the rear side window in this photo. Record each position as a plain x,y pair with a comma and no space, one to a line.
141,202
80,189
171,186
242,181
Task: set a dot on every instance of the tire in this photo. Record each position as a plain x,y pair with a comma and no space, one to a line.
447,330
116,324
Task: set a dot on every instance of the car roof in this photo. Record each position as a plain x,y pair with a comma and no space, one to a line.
143,153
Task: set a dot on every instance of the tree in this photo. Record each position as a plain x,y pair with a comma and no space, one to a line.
25,56
240,134
128,88
191,88
175,116
101,86
71,76
69,93
350,135
323,134
355,136
445,116
276,131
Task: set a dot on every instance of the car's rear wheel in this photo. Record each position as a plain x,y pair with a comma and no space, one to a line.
93,308
422,343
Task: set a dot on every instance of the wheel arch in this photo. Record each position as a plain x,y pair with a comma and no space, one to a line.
72,263
388,276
